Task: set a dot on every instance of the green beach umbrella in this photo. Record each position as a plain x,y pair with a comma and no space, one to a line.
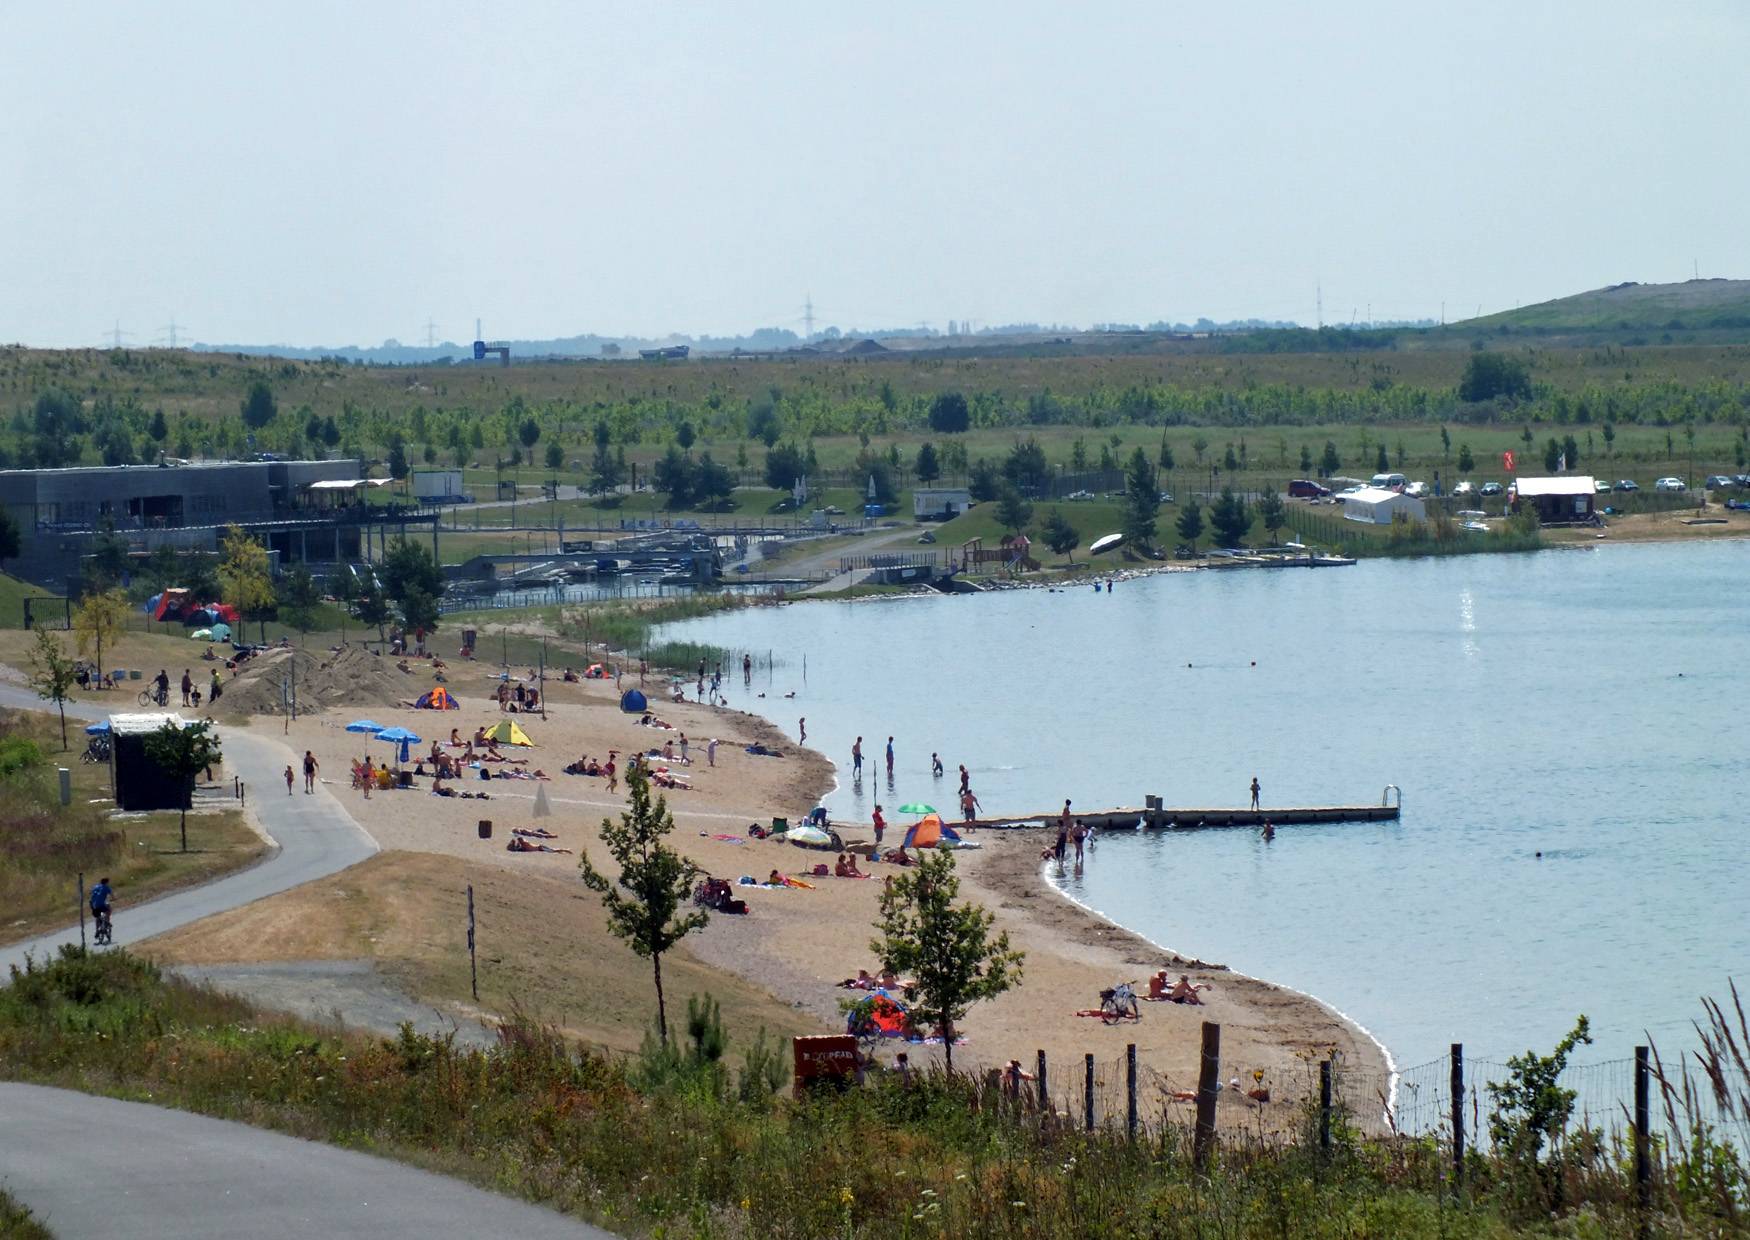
916,807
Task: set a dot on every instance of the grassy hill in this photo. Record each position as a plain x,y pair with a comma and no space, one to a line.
1694,305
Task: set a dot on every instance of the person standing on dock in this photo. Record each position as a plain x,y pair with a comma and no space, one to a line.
857,759
1255,790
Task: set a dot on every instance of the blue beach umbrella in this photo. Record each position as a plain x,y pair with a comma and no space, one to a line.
401,737
365,725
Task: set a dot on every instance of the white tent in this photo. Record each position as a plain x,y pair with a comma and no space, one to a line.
1377,506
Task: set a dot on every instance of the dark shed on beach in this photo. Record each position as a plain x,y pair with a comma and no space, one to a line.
1557,501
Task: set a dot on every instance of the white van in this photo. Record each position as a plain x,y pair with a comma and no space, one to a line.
1390,482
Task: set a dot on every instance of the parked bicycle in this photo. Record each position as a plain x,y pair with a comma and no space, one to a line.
1119,1002
96,749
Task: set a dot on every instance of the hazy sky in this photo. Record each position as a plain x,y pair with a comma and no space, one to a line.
317,173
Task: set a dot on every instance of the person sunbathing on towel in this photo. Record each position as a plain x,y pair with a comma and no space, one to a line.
1184,992
519,844
438,789
899,856
479,737
455,738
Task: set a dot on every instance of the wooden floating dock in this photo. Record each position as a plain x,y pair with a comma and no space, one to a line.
1159,817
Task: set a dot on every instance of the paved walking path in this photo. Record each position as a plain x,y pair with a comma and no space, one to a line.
89,1166
313,838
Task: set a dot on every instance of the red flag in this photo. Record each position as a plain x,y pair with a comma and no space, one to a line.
1507,461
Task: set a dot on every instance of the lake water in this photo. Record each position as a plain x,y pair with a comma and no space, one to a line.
1586,704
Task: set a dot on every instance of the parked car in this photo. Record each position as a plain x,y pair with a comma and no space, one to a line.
1627,484
1306,488
1165,497
1416,490
833,510
1390,482
1720,482
1491,488
1669,484
1601,487
928,536
1467,487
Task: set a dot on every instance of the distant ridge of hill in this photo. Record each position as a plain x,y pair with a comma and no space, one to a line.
1693,305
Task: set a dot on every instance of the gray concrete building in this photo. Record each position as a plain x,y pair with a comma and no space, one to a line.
305,511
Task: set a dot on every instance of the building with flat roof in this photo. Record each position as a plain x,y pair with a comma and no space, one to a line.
1570,497
311,511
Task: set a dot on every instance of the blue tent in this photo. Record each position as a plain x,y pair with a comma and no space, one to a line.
98,728
633,702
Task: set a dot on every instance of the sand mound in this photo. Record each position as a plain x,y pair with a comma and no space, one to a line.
326,679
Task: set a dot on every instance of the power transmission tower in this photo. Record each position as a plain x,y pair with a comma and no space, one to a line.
1319,294
168,334
430,334
808,316
117,335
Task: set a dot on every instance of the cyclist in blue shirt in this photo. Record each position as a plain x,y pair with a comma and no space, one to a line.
100,894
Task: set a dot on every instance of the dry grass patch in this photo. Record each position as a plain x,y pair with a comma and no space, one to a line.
543,947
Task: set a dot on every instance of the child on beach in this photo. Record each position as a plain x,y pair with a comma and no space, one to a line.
290,778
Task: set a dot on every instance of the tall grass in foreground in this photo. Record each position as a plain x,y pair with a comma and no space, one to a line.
17,1223
674,1143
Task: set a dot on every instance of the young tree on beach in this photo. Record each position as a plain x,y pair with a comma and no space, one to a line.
298,599
1190,524
1142,501
1466,462
52,674
98,622
1060,535
655,883
244,579
1272,512
1230,518
947,947
927,467
183,751
1013,512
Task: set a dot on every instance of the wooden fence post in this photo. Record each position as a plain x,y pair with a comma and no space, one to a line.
1457,1116
82,925
1088,1094
473,970
1643,1140
1044,1092
1130,1090
1208,1080
1325,1106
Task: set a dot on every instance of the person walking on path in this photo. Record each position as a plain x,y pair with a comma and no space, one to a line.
608,770
685,761
857,759
880,826
890,758
311,766
1255,790
289,778
711,752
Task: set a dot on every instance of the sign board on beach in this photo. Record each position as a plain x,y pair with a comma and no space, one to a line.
828,1059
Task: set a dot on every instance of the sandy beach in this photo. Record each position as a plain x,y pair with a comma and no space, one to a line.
800,943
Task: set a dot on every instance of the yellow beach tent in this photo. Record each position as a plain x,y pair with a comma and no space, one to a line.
506,732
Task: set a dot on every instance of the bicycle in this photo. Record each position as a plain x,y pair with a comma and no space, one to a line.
1119,1001
96,750
105,927
155,697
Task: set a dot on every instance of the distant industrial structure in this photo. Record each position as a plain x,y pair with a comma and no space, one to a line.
482,347
668,353
303,511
